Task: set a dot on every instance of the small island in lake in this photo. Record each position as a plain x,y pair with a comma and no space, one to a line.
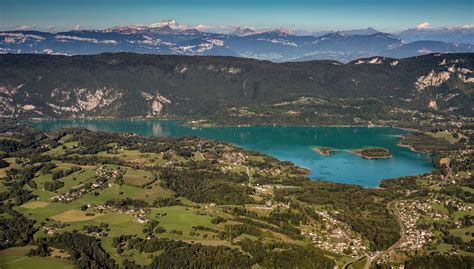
324,151
372,153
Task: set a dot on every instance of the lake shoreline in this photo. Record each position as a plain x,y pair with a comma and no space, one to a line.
293,144
324,151
213,125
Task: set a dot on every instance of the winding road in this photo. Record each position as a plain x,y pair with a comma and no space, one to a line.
396,213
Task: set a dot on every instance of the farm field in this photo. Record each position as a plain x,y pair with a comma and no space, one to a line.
16,258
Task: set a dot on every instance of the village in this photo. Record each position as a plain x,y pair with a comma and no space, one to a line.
103,175
336,236
410,213
138,213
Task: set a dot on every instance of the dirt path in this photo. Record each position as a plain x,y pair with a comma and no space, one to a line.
22,258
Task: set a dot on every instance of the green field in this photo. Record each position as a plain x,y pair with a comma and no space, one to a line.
444,135
465,233
158,196
182,219
16,258
137,177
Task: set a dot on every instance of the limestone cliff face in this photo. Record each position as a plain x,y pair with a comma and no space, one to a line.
432,79
446,70
83,100
157,105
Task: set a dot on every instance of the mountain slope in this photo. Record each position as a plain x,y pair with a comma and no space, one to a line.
237,90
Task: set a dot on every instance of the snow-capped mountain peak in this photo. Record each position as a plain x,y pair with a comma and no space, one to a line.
276,44
242,31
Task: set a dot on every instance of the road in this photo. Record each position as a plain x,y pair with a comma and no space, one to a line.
327,216
348,265
392,247
370,259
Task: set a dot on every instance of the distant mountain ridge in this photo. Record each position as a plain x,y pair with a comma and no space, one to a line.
454,35
232,91
278,45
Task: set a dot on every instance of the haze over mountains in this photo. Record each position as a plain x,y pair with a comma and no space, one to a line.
278,45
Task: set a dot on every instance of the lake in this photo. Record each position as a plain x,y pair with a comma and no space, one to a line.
290,144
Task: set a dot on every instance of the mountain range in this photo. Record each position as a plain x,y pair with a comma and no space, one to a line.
278,45
230,90
457,35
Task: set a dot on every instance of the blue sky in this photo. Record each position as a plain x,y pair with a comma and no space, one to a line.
384,15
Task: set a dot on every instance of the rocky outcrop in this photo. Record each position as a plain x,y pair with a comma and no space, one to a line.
83,99
432,79
445,71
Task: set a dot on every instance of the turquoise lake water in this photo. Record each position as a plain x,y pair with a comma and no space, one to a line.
290,144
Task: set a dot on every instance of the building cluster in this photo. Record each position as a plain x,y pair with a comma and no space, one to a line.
335,236
233,157
53,228
268,189
79,191
138,213
410,211
264,189
103,174
273,205
108,173
457,205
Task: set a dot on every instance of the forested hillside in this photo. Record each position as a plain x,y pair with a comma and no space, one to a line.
226,90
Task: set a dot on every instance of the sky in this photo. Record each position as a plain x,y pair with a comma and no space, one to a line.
311,15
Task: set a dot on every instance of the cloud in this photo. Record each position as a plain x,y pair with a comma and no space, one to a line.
424,25
200,27
171,24
77,27
221,29
26,27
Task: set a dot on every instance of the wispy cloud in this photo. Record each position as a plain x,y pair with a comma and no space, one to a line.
26,27
424,25
215,28
201,27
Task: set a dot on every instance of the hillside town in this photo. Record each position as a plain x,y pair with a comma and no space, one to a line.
103,175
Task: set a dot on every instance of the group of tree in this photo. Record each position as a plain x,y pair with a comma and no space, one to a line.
203,186
86,251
